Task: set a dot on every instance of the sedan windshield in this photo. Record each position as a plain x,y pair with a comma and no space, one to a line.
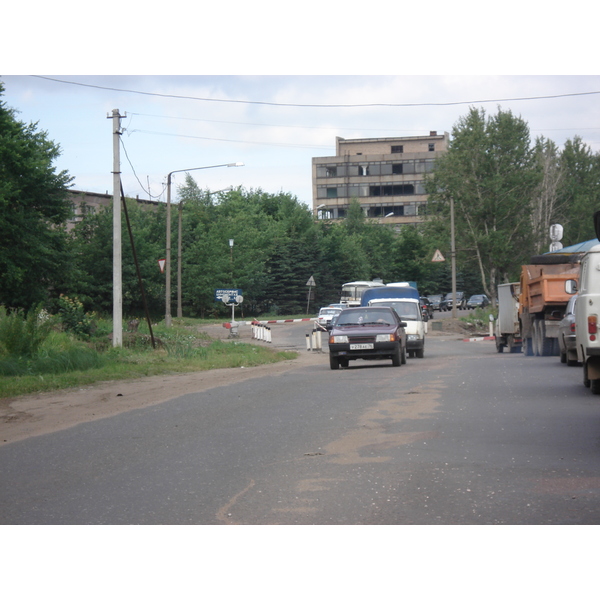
363,318
407,311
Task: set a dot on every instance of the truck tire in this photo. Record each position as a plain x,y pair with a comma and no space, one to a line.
499,345
528,346
595,386
535,337
542,345
546,343
512,347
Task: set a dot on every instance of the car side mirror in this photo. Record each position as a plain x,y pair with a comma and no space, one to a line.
571,286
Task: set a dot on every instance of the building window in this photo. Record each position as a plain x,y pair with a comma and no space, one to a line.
332,192
331,171
431,147
363,170
397,149
397,169
407,189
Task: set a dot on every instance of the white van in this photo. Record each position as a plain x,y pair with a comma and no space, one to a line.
409,311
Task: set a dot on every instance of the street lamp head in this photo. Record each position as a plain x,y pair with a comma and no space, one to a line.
231,243
237,164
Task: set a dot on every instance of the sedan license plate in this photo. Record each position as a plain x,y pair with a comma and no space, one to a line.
361,346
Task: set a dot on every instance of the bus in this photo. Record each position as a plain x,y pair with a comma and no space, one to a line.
353,290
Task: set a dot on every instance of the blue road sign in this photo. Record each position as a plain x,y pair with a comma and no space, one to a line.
227,295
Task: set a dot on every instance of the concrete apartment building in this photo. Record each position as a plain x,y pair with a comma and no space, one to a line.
386,175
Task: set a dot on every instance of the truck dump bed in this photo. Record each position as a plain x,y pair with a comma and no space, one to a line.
543,286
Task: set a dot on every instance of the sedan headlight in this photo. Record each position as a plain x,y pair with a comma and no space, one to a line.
338,339
385,337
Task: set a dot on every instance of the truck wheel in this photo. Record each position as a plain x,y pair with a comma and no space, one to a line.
535,338
528,346
499,345
546,343
595,386
512,347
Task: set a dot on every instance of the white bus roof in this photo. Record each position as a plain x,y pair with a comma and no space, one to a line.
371,283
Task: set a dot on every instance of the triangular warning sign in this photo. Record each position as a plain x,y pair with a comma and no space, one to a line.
438,257
161,263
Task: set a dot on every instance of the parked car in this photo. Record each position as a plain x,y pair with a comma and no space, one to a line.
461,301
435,300
566,335
426,308
478,301
325,315
367,332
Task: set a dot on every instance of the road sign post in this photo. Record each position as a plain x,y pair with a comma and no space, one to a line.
311,284
233,298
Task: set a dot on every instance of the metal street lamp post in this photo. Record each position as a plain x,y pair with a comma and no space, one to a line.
168,253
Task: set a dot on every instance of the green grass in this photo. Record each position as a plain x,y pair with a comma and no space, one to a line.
480,317
63,362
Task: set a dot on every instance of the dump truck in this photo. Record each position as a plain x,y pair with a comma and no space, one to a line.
507,330
543,300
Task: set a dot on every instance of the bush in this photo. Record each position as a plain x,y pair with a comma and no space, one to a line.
23,335
74,318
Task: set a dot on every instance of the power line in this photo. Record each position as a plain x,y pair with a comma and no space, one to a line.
135,174
332,128
369,105
197,137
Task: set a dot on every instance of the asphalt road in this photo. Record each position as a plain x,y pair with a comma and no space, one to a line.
463,436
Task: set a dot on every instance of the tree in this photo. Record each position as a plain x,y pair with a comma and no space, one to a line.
579,191
33,212
92,280
490,174
546,201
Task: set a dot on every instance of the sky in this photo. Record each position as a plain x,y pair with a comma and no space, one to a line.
274,124
211,84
